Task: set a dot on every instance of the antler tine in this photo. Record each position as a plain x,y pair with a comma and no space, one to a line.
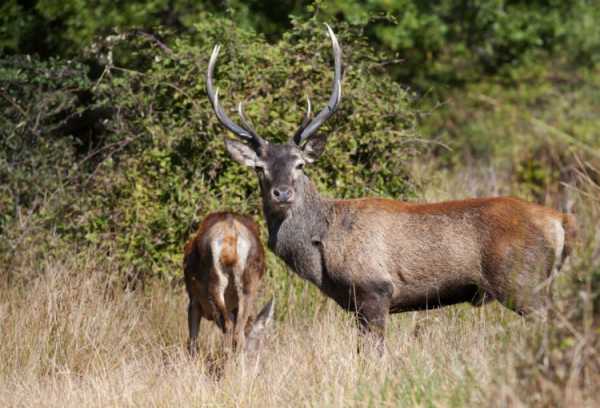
305,121
334,99
213,96
245,122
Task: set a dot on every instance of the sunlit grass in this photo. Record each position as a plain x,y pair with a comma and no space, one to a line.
72,336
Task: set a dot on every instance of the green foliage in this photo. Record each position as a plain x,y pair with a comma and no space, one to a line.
453,42
437,41
66,27
149,163
39,100
530,129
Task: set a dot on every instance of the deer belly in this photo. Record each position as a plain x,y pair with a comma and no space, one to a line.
413,299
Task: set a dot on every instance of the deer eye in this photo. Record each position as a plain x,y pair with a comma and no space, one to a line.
300,166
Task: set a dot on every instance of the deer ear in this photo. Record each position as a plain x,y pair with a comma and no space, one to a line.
257,332
242,153
314,147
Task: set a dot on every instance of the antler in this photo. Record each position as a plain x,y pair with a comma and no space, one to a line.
245,122
245,131
305,120
308,127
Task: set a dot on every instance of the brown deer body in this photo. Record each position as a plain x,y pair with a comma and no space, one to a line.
223,266
428,255
378,256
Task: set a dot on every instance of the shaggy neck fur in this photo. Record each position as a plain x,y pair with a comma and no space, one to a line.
295,233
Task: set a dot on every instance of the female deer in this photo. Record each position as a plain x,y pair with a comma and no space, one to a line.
223,266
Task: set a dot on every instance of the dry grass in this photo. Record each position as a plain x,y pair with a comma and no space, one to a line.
70,336
69,339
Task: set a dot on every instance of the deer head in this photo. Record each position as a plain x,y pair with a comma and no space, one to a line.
279,166
256,332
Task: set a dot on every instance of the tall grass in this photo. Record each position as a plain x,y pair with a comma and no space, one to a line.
72,336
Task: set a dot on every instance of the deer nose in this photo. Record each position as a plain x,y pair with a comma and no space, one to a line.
282,194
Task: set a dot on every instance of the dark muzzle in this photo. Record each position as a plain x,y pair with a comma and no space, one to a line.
282,195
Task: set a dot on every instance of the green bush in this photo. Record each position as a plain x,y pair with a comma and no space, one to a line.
445,42
132,160
532,130
455,42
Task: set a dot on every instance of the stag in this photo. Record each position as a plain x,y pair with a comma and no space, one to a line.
375,256
223,266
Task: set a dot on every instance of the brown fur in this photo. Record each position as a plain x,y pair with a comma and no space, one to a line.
374,256
229,254
223,290
445,253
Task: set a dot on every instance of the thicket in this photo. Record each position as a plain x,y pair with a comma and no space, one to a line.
450,43
129,159
437,42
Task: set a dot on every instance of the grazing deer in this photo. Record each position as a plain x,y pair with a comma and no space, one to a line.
223,266
375,256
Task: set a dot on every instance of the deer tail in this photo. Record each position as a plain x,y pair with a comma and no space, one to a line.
229,255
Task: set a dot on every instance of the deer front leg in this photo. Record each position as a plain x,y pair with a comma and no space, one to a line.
373,305
372,328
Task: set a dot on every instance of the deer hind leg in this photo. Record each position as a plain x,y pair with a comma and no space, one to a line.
242,313
512,284
219,281
245,321
245,292
221,314
520,296
194,318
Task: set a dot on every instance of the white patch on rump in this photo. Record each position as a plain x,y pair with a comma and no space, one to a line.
243,247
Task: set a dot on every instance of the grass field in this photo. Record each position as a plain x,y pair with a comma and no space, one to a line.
70,341
71,336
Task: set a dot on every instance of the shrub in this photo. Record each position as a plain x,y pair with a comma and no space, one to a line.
439,41
456,42
146,161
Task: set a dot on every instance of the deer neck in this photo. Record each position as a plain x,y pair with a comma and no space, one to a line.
294,236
